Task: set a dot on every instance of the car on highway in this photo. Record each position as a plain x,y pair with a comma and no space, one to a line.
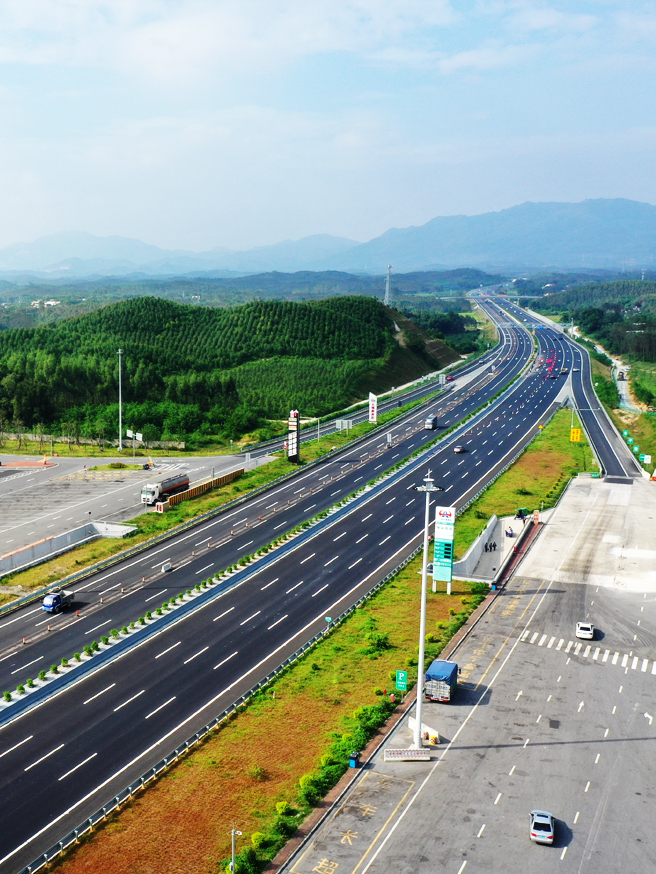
576,369
458,448
585,630
450,378
541,827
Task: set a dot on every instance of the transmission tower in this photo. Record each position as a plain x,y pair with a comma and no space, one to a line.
388,286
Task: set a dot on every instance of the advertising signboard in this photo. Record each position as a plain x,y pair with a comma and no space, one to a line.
373,408
445,518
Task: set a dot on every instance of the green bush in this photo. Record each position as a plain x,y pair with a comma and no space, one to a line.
159,611
95,646
142,620
7,696
284,808
42,675
114,633
29,683
149,615
54,669
88,651
20,689
258,839
64,663
124,630
104,639
77,656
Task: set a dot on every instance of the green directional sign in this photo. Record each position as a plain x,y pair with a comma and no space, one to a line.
636,449
630,440
625,433
641,457
402,681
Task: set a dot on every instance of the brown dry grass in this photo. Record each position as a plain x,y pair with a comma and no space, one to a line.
182,824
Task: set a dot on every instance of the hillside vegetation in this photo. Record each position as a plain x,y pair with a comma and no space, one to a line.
189,369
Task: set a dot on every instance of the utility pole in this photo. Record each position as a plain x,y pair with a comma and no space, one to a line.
120,423
388,286
232,864
429,487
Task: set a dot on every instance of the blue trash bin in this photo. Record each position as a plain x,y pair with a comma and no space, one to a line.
354,760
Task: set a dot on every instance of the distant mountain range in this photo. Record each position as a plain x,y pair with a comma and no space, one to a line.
594,233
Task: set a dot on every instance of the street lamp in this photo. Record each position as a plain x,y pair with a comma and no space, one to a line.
120,424
232,864
428,487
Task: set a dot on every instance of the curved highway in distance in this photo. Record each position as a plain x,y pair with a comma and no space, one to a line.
72,753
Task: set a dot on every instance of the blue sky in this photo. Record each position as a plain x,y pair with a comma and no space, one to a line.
217,123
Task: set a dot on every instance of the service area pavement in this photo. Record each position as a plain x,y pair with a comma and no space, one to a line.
540,720
37,502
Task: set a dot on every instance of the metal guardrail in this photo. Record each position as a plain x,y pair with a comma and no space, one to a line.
152,773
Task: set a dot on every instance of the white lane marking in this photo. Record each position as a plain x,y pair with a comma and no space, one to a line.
587,786
269,584
625,660
534,637
351,566
411,519
43,758
278,621
526,742
200,542
577,648
22,616
280,526
542,640
496,800
129,701
168,650
606,732
362,538
385,541
155,596
294,587
252,616
551,643
620,690
411,502
645,663
161,707
562,855
462,867
15,746
653,668
481,830
596,761
22,668
512,771
96,627
244,545
312,506
587,651
560,643
605,656
320,590
615,658
343,534
569,646
337,492
98,694
649,717
634,663
225,660
191,658
207,567
539,718
308,558
225,613
331,561
88,759
388,518
367,517
518,694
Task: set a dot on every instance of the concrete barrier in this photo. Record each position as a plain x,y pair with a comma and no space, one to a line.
49,547
463,569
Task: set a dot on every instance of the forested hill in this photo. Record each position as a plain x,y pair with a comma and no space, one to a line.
177,338
626,293
190,370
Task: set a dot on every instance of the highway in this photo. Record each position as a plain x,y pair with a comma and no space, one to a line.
111,726
114,598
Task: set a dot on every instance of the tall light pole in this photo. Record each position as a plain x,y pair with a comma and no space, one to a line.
428,487
120,423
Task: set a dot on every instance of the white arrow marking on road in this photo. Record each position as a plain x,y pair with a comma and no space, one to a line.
650,718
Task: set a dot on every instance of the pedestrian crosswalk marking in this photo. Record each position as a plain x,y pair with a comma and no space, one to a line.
627,659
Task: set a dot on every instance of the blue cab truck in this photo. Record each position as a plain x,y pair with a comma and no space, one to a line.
56,600
441,680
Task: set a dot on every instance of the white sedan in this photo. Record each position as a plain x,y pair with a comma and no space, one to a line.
585,630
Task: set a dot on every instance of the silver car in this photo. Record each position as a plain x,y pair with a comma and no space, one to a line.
541,827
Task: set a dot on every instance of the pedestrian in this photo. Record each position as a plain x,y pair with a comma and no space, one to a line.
486,547
494,546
